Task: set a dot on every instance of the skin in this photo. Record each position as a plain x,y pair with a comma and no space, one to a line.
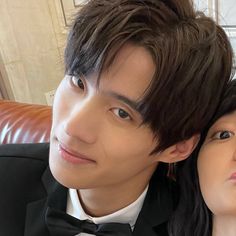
216,164
98,123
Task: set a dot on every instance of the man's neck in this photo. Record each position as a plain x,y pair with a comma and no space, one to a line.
109,199
224,225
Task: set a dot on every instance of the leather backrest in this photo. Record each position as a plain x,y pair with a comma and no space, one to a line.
24,123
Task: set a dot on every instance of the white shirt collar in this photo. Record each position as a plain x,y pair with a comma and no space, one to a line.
128,214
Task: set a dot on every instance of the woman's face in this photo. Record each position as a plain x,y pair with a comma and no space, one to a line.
217,166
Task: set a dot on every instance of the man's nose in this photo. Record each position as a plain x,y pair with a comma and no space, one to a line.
83,121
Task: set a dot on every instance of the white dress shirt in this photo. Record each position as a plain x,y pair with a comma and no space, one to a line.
125,215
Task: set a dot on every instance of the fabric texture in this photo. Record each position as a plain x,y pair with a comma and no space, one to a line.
61,224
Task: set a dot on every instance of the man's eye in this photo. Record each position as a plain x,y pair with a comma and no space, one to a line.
224,134
77,81
121,113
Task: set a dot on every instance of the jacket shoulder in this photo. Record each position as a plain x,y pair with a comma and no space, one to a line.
33,151
21,169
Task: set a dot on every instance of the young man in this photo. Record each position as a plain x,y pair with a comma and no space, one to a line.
143,78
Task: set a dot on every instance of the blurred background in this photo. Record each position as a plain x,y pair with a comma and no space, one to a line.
32,40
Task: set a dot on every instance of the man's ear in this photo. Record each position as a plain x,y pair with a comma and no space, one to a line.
179,151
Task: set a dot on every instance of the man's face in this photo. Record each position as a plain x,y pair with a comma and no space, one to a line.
217,166
96,138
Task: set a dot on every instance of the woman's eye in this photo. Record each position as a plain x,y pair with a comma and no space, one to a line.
223,134
121,113
77,81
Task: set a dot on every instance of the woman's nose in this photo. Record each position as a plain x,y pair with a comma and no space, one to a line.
234,152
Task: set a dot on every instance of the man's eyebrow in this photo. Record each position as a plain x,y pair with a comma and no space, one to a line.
133,104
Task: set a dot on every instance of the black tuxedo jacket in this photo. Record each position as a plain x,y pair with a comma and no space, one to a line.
28,188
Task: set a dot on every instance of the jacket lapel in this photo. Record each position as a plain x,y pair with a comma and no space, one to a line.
143,227
35,215
157,208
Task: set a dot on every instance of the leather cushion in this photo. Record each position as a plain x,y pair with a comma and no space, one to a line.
24,123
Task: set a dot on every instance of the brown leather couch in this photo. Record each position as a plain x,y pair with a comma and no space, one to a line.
24,123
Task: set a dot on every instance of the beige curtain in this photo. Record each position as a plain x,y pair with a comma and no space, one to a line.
5,92
5,88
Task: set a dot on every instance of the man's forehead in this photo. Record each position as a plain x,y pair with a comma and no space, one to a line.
131,72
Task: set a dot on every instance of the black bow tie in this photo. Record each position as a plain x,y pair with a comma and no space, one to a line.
61,224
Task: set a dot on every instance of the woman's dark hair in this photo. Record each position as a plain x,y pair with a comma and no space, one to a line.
192,54
192,216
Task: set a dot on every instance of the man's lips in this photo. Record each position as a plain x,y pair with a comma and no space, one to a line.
72,156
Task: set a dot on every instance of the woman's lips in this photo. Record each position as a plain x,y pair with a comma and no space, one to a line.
72,157
233,176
